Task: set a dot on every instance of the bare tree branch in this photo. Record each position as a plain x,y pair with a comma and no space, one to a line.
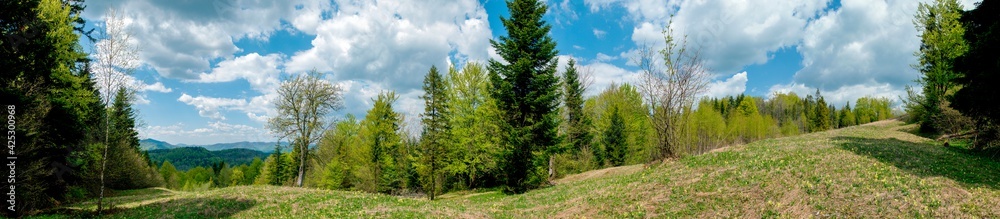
670,87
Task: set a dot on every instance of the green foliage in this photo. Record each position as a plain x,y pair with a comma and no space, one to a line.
127,167
185,158
275,169
56,104
578,125
941,43
979,95
253,171
474,127
304,104
869,109
526,91
639,130
382,146
614,139
170,175
436,135
707,129
821,115
847,117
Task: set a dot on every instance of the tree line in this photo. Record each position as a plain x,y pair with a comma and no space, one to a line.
958,65
74,135
513,123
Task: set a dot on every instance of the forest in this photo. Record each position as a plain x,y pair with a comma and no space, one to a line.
514,124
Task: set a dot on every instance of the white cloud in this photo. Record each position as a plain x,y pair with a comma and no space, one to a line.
729,34
605,74
179,38
732,86
260,71
210,107
860,44
157,87
601,57
599,33
394,42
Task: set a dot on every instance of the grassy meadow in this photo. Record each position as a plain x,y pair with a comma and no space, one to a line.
874,170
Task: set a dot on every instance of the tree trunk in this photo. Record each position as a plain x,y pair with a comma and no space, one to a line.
552,167
302,167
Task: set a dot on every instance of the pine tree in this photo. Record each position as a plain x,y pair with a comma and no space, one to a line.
436,132
526,91
614,138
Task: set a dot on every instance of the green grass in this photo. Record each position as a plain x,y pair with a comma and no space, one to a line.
875,170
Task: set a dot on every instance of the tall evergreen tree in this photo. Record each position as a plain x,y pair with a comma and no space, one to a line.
436,132
526,91
51,96
578,125
380,134
979,97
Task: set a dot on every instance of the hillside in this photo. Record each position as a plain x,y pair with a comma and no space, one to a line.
185,158
874,170
153,144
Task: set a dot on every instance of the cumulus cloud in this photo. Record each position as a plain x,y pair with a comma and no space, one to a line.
395,42
260,71
179,38
860,44
732,86
729,34
210,107
156,87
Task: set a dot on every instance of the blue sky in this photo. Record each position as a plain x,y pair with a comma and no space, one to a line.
208,69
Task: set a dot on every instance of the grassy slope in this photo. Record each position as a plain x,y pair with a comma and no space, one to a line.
872,170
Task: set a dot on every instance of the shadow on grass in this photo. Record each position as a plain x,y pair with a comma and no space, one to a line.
177,208
927,160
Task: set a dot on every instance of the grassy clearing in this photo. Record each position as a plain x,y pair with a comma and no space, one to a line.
875,170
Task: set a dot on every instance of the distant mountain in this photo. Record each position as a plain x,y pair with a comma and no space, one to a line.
153,144
184,158
259,146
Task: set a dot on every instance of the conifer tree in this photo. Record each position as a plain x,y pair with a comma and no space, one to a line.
821,115
436,132
578,125
614,138
526,90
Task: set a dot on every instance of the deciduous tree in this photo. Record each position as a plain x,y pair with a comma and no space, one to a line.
304,105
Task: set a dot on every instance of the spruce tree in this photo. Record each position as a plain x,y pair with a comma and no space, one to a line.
435,133
526,91
578,130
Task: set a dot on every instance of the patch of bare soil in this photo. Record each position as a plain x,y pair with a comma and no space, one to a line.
622,170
